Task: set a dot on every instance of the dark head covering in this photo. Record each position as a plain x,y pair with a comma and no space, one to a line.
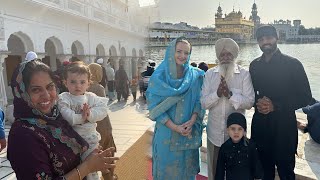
237,118
53,122
203,66
266,30
193,64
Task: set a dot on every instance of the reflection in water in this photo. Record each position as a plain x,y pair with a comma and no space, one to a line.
308,54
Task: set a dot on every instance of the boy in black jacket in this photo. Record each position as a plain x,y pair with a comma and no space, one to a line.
238,157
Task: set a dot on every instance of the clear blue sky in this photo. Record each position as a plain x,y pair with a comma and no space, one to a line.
201,12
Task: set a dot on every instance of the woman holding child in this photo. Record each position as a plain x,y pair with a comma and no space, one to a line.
41,144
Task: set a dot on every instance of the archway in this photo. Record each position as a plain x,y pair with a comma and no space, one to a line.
122,55
53,47
140,53
100,51
112,51
113,56
77,49
18,44
50,50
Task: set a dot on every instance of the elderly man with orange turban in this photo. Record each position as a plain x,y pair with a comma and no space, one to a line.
226,89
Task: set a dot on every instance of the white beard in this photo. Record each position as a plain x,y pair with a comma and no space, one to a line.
227,71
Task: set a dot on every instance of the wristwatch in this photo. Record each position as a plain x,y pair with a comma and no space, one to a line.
230,94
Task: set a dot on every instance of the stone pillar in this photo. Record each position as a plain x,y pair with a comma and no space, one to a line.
134,67
129,68
116,62
3,94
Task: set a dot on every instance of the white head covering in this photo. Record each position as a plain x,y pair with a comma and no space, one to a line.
100,61
228,44
31,56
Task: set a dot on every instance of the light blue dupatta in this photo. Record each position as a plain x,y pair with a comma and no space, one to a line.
176,99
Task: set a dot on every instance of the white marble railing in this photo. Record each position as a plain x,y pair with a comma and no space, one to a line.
104,11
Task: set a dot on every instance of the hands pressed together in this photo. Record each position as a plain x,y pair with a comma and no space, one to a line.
185,129
265,105
85,111
223,89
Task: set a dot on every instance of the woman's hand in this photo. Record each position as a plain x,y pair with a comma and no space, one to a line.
188,125
100,160
183,130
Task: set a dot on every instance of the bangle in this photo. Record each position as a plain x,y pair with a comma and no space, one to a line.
80,178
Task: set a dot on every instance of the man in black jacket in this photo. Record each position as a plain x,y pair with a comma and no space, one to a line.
281,86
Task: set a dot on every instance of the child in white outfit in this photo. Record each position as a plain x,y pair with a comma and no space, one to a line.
82,109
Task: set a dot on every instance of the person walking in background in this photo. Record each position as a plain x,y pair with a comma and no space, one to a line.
3,142
59,79
173,98
103,127
147,74
31,56
313,116
227,88
281,86
82,109
122,83
110,79
203,66
238,157
193,64
134,87
41,144
104,80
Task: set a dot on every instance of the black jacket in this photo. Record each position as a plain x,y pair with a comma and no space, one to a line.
239,161
285,82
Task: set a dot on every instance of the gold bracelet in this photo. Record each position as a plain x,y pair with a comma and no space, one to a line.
80,178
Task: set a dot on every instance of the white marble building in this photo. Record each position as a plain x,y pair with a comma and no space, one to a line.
59,29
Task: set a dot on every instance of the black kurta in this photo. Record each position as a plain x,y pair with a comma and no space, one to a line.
238,161
285,82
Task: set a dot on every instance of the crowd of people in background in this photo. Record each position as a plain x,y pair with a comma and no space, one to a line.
72,138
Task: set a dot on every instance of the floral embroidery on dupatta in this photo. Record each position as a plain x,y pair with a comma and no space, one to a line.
42,176
57,133
57,164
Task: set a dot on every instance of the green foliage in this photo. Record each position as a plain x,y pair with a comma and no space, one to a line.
310,31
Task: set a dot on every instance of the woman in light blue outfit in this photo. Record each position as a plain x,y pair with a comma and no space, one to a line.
173,98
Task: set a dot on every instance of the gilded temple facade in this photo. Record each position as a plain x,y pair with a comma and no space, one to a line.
234,25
